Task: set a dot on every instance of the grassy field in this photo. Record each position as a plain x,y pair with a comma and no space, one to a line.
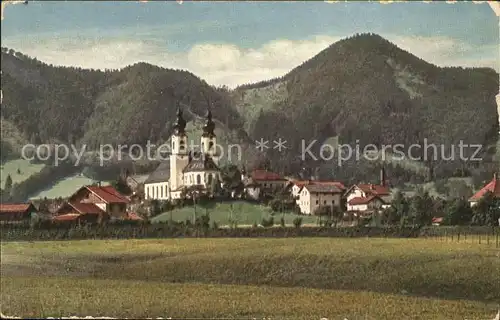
25,167
245,213
65,187
295,278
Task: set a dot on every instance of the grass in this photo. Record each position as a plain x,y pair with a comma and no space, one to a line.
245,213
25,167
296,278
66,187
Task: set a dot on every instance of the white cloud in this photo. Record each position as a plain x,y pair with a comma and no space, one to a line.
228,64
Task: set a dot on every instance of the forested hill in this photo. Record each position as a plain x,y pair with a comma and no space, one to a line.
361,88
366,88
132,105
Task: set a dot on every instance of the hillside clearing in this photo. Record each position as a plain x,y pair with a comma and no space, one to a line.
299,278
244,213
66,187
25,167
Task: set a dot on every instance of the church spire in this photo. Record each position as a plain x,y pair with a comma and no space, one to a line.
180,124
209,127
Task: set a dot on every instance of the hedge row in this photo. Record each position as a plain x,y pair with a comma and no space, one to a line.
145,231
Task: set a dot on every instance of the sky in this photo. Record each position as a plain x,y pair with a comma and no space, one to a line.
233,43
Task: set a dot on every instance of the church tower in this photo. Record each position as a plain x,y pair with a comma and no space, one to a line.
208,138
179,155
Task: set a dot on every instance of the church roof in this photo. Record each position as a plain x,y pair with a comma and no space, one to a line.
201,164
161,174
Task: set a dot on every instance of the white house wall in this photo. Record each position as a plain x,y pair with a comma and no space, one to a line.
156,191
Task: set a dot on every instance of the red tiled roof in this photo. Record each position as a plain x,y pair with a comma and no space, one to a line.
302,183
362,200
437,220
67,217
86,208
133,216
323,188
14,207
374,189
493,187
108,194
266,175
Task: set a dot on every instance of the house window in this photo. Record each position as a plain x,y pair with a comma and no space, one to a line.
317,201
166,191
173,145
156,192
333,202
161,192
324,202
209,179
210,145
198,179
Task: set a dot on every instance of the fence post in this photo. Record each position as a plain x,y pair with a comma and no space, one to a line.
496,236
458,236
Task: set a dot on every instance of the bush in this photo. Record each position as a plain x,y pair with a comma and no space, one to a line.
266,223
215,225
297,222
282,222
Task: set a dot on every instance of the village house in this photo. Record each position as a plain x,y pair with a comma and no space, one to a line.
80,212
136,182
493,186
185,168
106,198
16,212
295,186
266,180
369,197
312,196
250,187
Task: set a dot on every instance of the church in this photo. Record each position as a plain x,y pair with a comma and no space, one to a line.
185,168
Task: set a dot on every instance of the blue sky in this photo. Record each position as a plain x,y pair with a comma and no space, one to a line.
230,43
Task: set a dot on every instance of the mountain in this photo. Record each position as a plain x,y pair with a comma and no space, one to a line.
366,89
362,89
130,106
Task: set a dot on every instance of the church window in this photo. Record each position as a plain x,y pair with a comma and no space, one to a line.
156,191
210,145
173,145
209,179
166,191
198,179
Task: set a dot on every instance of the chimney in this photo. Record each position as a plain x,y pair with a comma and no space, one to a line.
382,177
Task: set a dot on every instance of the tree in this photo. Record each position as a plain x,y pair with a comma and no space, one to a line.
487,211
206,202
8,185
458,213
322,211
215,187
121,186
154,208
398,211
421,209
459,189
193,192
336,215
